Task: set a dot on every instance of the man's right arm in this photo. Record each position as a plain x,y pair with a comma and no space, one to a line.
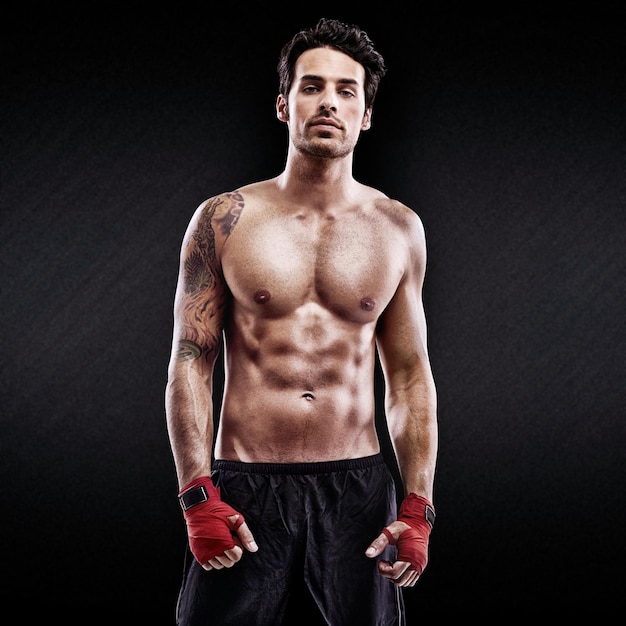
216,531
198,320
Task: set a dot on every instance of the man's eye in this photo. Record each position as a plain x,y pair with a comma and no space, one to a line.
347,93
310,89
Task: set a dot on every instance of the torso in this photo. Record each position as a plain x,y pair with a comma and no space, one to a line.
307,288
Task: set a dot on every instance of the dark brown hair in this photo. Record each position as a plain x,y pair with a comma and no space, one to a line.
327,33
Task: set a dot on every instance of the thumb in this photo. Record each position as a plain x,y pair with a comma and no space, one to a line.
244,534
377,546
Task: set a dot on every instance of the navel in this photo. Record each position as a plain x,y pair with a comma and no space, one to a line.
367,304
262,296
308,396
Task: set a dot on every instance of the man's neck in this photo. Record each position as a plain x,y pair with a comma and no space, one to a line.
318,181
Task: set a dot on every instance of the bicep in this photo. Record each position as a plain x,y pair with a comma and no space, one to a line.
402,329
402,334
200,295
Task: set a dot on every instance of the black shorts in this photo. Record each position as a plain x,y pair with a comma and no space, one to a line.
312,523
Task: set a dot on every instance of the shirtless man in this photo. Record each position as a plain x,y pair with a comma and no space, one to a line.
302,279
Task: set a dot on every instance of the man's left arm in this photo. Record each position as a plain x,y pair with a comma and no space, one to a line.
411,412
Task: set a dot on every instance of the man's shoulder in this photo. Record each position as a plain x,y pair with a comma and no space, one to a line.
228,203
397,211
257,190
248,191
384,202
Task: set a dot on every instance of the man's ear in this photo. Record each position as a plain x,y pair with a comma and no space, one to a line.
282,110
367,119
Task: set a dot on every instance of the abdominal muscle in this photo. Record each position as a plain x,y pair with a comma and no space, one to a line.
298,390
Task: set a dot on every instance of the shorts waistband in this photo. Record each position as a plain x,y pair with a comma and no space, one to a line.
318,467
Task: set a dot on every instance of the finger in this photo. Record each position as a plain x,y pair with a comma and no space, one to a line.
231,556
393,571
408,579
214,563
221,561
227,559
377,546
399,573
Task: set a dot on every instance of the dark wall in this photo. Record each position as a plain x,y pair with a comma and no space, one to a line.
505,131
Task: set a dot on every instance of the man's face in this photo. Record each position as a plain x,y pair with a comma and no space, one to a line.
325,111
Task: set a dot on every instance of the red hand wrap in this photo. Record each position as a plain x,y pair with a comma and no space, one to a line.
208,526
412,543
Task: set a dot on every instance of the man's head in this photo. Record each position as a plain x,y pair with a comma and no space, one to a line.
327,33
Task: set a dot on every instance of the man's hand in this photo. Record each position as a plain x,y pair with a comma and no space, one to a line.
228,558
399,572
410,533
217,533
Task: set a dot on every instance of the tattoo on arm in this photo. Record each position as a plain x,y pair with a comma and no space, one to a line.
230,216
188,350
201,264
204,293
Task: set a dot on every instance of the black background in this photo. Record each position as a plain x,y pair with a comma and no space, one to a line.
503,129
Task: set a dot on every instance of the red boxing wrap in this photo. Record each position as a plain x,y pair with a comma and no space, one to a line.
208,527
412,543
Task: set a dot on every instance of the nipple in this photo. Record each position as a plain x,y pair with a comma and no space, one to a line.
367,304
262,296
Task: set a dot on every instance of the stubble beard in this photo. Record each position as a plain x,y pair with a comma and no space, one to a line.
320,148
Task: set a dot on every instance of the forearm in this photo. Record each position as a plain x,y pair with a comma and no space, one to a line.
189,413
412,423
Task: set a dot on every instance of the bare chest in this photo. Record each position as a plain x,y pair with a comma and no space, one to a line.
350,266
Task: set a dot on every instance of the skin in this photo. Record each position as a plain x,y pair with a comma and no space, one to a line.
305,276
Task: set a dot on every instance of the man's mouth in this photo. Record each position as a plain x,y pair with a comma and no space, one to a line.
326,121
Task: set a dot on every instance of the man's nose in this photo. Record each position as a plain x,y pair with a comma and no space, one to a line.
328,101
